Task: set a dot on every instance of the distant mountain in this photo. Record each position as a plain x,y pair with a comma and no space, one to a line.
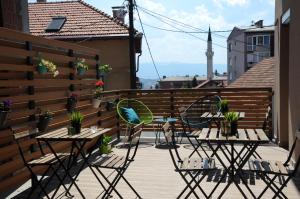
147,83
147,70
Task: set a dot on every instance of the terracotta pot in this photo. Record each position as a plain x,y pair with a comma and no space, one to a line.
96,103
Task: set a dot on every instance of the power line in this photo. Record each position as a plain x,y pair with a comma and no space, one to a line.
199,29
178,31
216,44
148,46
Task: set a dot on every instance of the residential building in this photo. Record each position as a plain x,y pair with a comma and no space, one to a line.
248,46
260,75
14,14
287,72
84,24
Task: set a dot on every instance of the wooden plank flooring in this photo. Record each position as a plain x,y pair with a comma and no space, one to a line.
153,176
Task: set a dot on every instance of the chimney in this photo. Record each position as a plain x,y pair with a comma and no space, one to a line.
119,13
259,24
41,1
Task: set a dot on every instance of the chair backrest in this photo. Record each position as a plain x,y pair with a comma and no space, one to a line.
297,164
139,107
207,103
133,141
170,139
24,137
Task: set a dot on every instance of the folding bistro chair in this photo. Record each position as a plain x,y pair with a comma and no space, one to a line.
119,163
284,171
188,168
192,122
47,160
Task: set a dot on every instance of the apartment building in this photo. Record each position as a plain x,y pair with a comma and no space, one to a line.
248,46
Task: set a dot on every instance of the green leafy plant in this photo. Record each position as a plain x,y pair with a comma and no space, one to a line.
231,117
105,147
76,117
223,106
105,68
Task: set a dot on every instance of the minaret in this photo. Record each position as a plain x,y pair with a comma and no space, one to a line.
209,55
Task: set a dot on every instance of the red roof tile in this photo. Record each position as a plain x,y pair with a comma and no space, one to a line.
260,75
83,20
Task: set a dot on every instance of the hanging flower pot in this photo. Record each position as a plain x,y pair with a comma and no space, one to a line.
80,71
44,120
42,69
4,109
71,102
45,66
96,102
81,66
104,69
3,118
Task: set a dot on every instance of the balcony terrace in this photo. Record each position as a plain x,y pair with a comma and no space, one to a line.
152,173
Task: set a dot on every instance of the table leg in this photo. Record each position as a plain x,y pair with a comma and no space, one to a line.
65,169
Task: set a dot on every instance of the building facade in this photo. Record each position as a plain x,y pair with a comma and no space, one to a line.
248,46
86,25
287,72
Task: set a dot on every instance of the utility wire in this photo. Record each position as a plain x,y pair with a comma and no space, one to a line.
172,30
148,46
199,29
216,44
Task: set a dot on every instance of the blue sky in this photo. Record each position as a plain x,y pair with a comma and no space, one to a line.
168,47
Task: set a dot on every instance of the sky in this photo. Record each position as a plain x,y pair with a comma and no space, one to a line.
181,48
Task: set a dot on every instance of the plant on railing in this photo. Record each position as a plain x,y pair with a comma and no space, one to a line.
4,109
98,94
104,69
44,119
223,106
230,123
71,102
81,66
106,147
45,66
76,121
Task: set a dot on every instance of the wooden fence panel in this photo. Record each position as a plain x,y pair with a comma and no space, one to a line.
31,92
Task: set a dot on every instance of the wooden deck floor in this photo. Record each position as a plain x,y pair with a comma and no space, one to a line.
153,176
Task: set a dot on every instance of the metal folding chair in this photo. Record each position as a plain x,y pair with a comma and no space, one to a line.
47,160
119,163
189,168
283,171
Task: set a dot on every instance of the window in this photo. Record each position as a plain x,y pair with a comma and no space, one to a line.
266,40
260,40
229,61
229,47
56,24
249,43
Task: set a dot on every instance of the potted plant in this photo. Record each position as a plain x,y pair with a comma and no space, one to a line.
76,120
97,94
105,147
45,66
81,66
4,109
44,119
104,69
230,125
71,102
223,106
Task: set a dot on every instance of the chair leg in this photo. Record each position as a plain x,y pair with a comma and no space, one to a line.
188,185
136,193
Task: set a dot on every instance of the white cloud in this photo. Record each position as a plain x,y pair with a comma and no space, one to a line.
220,3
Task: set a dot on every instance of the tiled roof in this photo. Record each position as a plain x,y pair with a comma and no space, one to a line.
260,75
83,20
